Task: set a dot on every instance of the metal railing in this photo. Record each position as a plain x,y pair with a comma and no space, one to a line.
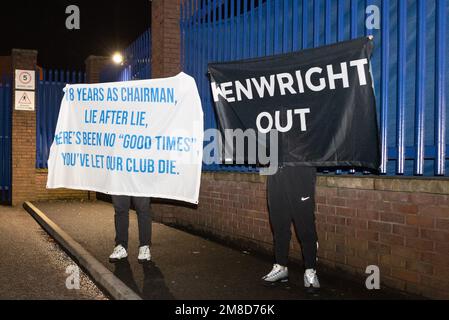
5,140
136,64
409,64
49,96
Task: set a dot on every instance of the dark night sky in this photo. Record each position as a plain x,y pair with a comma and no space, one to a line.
106,26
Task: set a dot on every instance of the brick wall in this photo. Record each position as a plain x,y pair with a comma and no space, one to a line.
23,136
94,65
165,38
5,65
42,193
28,183
400,225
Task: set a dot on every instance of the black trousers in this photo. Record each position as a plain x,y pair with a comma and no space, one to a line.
291,197
122,205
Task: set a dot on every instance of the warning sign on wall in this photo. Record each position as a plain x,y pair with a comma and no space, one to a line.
25,79
24,100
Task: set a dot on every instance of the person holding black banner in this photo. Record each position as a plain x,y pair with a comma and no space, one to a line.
291,197
322,106
121,207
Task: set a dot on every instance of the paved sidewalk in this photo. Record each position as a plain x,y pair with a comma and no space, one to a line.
188,267
32,265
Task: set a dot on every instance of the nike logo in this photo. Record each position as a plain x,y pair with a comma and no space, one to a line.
304,198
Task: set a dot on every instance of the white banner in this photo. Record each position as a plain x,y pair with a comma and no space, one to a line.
137,138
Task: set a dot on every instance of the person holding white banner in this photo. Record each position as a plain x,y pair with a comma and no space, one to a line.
121,218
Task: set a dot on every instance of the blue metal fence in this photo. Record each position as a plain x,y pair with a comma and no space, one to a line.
49,96
409,63
5,140
136,64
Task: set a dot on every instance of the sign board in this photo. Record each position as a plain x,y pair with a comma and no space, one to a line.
137,138
320,102
25,80
24,100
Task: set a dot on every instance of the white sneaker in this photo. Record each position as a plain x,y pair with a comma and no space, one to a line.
277,274
311,279
118,254
144,254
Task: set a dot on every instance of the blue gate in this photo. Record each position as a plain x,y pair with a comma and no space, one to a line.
409,63
49,96
136,64
5,141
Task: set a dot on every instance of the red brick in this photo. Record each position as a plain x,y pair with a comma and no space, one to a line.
379,206
442,224
424,198
320,200
391,239
442,247
405,275
336,201
369,195
392,261
419,244
379,226
422,221
408,253
326,227
406,231
326,209
347,193
380,248
394,283
336,220
367,235
335,238
357,223
357,244
395,196
370,257
357,262
435,235
441,271
339,248
336,257
346,212
420,267
408,208
357,204
435,259
345,230
434,282
434,211
320,218
368,215
392,217
330,192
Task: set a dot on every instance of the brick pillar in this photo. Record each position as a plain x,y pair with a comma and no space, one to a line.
94,65
165,38
23,136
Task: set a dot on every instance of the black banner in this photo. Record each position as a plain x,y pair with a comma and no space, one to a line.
320,101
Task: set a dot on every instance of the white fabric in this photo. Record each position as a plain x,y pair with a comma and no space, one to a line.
81,159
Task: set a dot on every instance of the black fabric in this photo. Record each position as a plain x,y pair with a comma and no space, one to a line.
341,126
122,205
291,197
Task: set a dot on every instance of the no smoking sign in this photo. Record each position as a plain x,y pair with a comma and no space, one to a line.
25,79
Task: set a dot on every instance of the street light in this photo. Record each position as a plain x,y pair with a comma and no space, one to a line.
117,58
